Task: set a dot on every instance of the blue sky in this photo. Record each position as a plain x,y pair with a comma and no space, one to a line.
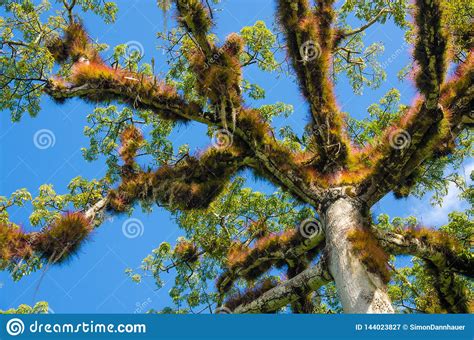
95,282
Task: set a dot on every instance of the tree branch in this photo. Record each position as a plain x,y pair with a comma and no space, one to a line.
346,33
192,183
286,248
220,75
434,121
309,43
417,141
289,291
443,256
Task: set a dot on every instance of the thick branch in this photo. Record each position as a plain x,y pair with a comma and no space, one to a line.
289,291
287,248
443,257
100,83
309,43
453,295
192,183
434,120
420,138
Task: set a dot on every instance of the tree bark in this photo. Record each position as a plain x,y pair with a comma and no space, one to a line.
289,291
359,290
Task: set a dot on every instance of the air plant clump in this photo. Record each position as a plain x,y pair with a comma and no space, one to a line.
234,45
326,15
243,256
75,45
222,76
439,239
253,124
60,85
117,202
370,253
63,238
93,73
14,243
131,140
186,251
304,303
459,86
250,294
194,16
258,228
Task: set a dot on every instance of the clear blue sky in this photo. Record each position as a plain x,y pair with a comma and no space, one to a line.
95,281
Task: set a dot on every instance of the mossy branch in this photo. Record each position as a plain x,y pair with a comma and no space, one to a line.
309,43
288,291
439,248
420,135
195,18
192,183
272,250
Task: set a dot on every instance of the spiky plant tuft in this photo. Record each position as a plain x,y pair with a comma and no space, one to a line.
370,253
186,251
63,238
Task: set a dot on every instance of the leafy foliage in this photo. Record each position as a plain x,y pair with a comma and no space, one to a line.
39,308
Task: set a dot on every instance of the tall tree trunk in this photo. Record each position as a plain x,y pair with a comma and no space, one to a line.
359,290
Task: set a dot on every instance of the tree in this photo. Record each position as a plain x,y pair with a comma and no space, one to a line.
337,171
